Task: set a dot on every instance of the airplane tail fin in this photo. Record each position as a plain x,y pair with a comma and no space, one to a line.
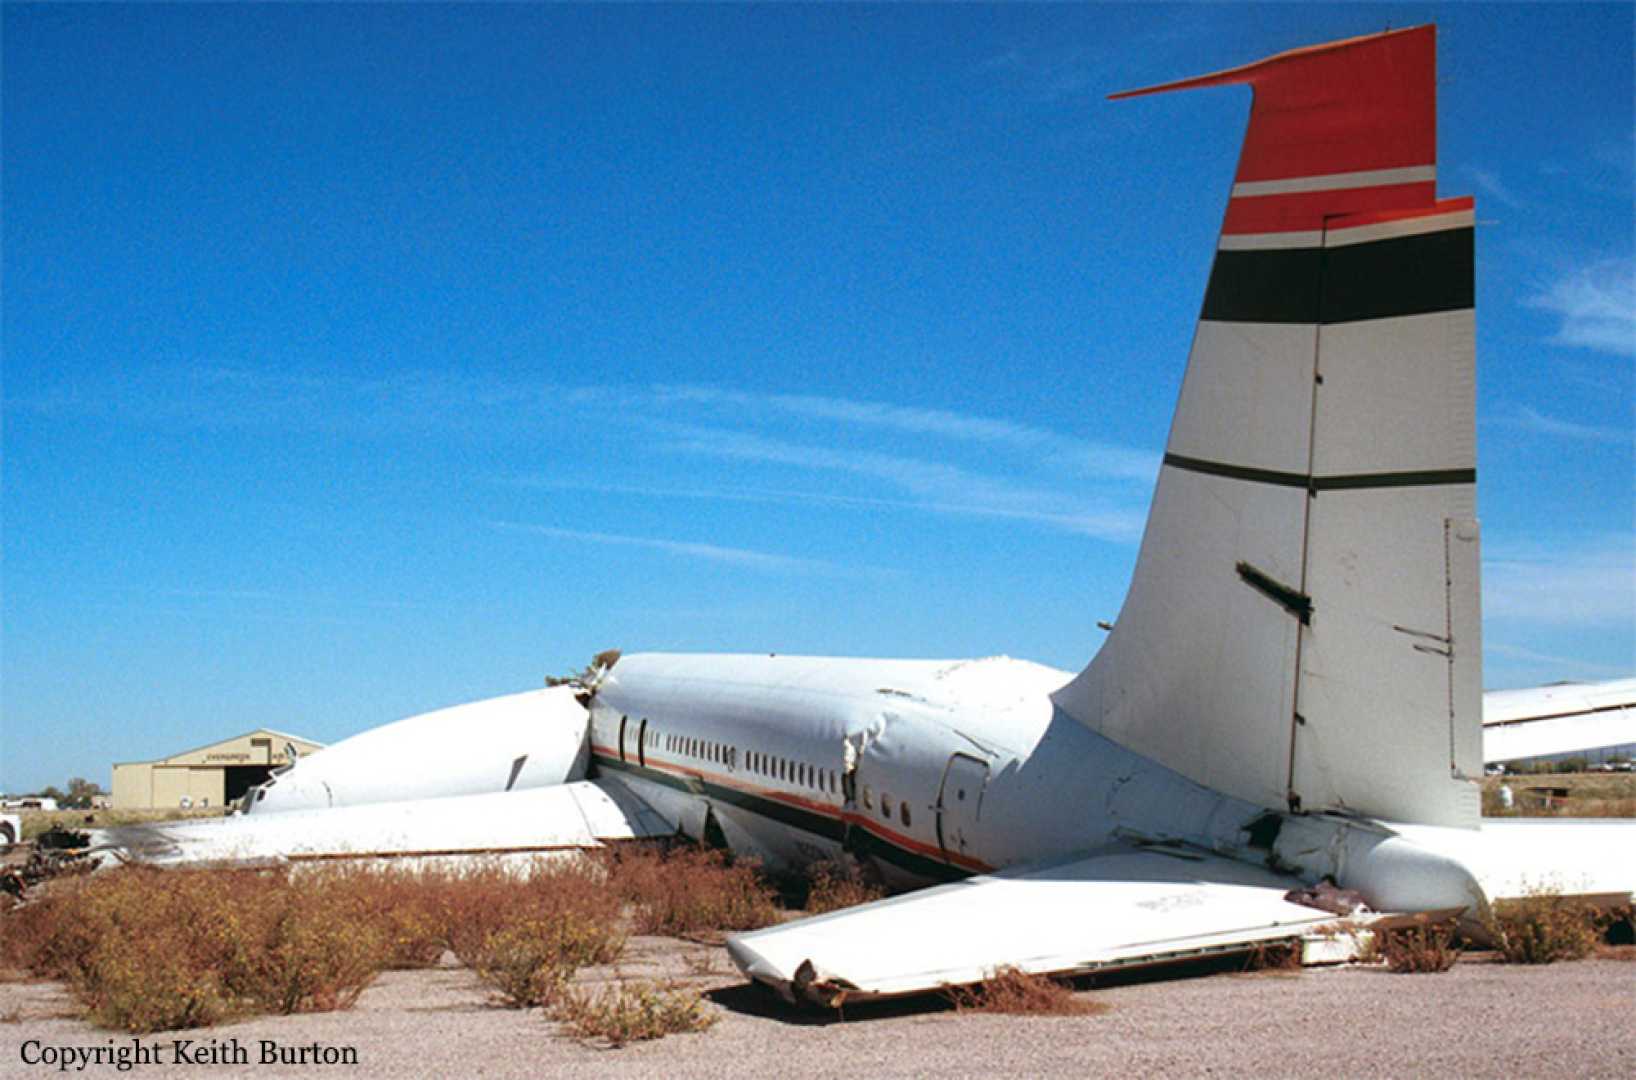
1302,628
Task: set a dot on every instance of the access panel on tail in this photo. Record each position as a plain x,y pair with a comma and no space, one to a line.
1305,603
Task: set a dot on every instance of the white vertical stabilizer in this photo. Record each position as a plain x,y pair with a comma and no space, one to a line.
1302,626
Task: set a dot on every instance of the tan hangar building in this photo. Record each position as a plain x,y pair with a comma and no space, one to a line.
213,775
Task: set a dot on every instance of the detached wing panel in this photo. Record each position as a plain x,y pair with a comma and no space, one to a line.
579,815
1117,908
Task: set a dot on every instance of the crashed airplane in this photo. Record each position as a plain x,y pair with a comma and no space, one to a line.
1289,700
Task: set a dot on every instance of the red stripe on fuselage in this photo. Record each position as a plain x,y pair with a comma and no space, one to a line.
858,818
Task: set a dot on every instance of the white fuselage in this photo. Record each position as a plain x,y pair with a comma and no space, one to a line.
927,769
933,770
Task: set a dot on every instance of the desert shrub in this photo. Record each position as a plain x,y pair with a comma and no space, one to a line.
632,1012
1010,990
317,956
522,963
530,962
143,984
1418,949
403,905
832,886
34,937
526,933
1544,927
688,890
146,950
151,950
476,904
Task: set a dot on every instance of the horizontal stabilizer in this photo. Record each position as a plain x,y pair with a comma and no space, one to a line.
539,821
1122,907
1513,858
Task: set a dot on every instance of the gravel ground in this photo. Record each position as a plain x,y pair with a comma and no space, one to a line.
1480,1019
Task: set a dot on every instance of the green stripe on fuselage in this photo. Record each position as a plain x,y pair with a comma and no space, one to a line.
862,841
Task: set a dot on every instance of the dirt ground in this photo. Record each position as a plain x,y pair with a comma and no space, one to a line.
1480,1019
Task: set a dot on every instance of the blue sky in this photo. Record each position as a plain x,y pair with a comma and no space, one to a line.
364,360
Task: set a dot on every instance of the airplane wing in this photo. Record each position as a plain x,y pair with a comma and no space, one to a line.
537,821
1120,907
1568,718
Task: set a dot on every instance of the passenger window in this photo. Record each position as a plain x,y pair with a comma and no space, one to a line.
903,812
886,806
868,798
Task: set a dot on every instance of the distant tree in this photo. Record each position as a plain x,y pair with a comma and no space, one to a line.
50,792
81,791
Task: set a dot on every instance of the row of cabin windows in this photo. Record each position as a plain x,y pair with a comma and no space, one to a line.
769,765
776,768
702,748
792,772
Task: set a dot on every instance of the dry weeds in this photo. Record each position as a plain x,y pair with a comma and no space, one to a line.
632,1012
833,885
147,950
688,890
1422,948
1598,795
1274,956
1009,990
1545,927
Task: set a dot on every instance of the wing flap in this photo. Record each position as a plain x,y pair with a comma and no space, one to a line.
1116,908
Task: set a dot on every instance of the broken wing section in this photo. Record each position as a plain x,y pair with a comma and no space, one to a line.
533,739
1118,908
540,821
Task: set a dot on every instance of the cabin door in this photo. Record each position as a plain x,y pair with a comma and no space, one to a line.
960,804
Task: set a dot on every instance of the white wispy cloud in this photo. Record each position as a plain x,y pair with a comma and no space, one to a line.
1592,583
1597,305
1092,458
1552,660
938,486
1112,524
1528,418
730,556
1039,475
1494,188
213,395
